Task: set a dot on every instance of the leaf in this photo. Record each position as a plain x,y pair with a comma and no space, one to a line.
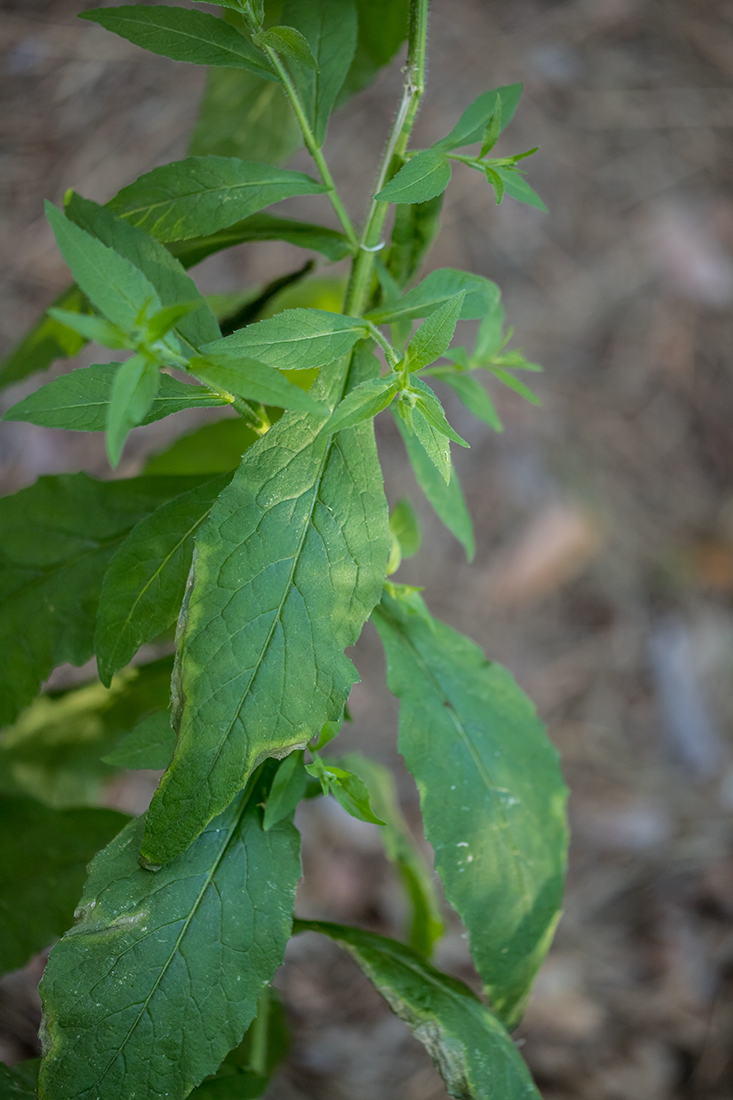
489,339
56,539
264,1046
363,402
472,124
201,195
149,745
495,817
80,400
424,177
288,788
291,43
116,287
19,1082
427,924
476,1057
287,568
382,30
134,388
471,393
350,792
493,129
183,35
212,449
415,227
264,227
295,339
405,528
140,997
496,182
242,115
435,289
330,27
46,341
432,410
145,581
92,328
516,185
514,384
435,443
434,335
446,499
250,379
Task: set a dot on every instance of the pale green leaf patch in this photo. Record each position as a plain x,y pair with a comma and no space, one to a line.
288,788
482,296
405,535
348,789
254,381
516,185
134,388
364,402
424,177
472,124
471,393
93,328
434,335
291,43
296,339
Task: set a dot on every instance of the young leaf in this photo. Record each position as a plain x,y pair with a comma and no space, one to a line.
200,195
263,227
497,183
405,528
363,403
47,340
436,288
244,116
212,449
287,569
291,43
145,581
133,392
495,817
253,380
434,335
415,228
20,1082
41,879
432,410
435,443
427,922
446,499
92,328
56,539
425,176
140,998
514,384
116,287
349,791
471,393
476,1057
149,745
288,788
330,28
493,129
472,124
183,35
516,185
295,339
80,400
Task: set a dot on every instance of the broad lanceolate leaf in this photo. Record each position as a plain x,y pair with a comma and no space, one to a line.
242,115
183,35
80,400
476,1057
19,1082
447,499
42,870
149,745
115,286
330,28
145,581
162,974
433,337
47,340
133,392
516,185
472,124
424,177
286,570
363,402
435,289
263,227
56,539
471,393
295,339
201,195
254,381
495,815
415,228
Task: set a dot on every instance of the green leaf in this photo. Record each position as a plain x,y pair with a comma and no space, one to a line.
516,185
432,410
149,745
291,43
426,926
330,27
447,500
200,195
495,817
42,870
349,791
242,115
92,328
19,1082
425,176
46,341
514,384
489,338
435,443
472,124
245,1072
134,388
115,286
183,35
415,228
56,539
288,788
405,528
163,271
382,30
476,1057
140,998
471,393
295,339
145,581
497,183
436,288
493,129
287,569
80,400
264,227
363,402
434,335
254,380
212,449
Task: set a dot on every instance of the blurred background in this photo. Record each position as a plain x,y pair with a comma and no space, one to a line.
604,519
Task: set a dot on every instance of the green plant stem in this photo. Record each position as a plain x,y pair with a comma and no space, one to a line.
259,1035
